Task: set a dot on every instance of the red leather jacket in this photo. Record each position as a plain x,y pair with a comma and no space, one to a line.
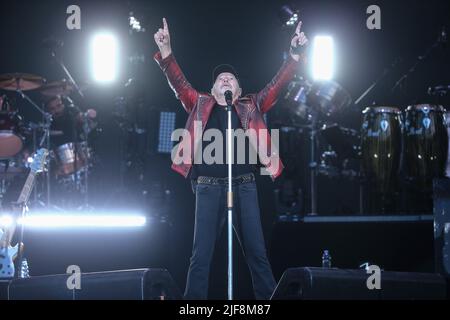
249,108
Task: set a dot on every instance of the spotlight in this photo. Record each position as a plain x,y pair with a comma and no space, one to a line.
323,58
104,57
288,16
135,24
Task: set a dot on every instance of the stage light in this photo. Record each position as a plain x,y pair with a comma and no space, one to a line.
104,57
87,220
135,24
6,221
288,16
166,127
323,58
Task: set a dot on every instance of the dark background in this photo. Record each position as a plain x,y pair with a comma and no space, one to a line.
247,34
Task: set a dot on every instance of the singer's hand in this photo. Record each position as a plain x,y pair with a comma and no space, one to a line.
162,39
299,40
91,113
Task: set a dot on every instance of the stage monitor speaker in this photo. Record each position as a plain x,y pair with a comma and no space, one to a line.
441,211
138,284
341,284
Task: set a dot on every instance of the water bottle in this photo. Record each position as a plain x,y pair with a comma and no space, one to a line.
326,259
24,271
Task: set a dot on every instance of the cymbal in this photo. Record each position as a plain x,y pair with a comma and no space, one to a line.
57,88
20,81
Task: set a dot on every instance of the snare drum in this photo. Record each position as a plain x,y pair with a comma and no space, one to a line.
69,160
381,143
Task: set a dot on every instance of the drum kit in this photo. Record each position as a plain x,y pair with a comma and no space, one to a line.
392,145
69,162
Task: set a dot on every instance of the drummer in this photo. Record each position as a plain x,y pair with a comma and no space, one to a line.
69,123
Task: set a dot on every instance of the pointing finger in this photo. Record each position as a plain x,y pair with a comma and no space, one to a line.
299,26
166,27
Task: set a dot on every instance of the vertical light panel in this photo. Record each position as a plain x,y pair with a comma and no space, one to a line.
166,127
323,58
104,48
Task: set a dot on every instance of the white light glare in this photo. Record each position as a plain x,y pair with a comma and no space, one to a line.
323,58
6,221
104,57
81,220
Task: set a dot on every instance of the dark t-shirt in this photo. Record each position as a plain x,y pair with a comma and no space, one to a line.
71,126
66,127
219,120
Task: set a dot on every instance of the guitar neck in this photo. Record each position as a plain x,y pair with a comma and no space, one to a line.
36,166
5,240
27,188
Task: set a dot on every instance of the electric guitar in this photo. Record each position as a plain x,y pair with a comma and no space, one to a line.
7,252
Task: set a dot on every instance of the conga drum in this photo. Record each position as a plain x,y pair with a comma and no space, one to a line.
381,143
426,143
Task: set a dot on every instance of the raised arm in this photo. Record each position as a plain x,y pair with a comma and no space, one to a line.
268,96
166,61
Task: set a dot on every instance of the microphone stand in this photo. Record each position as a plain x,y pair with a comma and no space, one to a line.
386,72
69,76
442,39
230,196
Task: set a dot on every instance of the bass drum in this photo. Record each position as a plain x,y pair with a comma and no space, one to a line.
11,141
381,143
426,143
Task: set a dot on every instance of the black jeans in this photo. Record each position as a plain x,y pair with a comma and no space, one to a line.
210,217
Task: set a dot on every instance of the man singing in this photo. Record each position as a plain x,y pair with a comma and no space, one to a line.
210,180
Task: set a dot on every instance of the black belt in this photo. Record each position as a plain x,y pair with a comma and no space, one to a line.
245,178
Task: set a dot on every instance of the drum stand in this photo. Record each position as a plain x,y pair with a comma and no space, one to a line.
313,161
314,131
63,67
84,185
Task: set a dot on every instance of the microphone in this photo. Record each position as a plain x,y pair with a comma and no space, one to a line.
228,97
443,37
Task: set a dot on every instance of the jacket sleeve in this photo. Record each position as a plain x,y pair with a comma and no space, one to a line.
177,81
267,97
